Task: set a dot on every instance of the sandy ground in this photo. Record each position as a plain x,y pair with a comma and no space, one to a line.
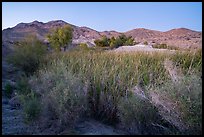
139,48
12,120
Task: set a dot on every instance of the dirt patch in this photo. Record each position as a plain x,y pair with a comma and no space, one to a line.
93,127
139,48
12,120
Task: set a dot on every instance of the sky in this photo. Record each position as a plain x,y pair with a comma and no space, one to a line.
106,16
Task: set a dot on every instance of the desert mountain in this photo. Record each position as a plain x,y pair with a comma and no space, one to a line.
181,37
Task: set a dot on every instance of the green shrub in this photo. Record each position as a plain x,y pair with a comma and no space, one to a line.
165,46
83,46
31,107
103,42
27,55
113,43
129,41
116,43
23,87
8,90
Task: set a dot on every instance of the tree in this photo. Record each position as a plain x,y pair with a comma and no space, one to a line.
113,43
118,41
54,40
123,38
103,42
112,39
129,41
60,37
98,43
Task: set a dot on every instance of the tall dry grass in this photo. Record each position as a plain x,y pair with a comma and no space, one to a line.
100,83
109,77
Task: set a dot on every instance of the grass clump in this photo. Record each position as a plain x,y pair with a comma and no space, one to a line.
189,61
62,96
29,99
109,75
181,103
137,115
27,55
31,107
23,87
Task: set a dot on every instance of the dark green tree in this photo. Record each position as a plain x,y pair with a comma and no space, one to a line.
98,43
123,38
113,43
119,41
103,42
129,41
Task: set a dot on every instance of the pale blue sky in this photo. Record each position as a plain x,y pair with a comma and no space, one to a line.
101,16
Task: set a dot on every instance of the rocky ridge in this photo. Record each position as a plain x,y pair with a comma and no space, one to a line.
181,37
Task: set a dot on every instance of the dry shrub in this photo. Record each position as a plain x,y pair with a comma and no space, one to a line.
181,103
137,115
62,96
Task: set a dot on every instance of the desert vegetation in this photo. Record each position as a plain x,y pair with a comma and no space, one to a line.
143,93
101,68
60,38
164,46
113,42
27,54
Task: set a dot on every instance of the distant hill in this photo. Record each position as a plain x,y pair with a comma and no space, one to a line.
181,37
